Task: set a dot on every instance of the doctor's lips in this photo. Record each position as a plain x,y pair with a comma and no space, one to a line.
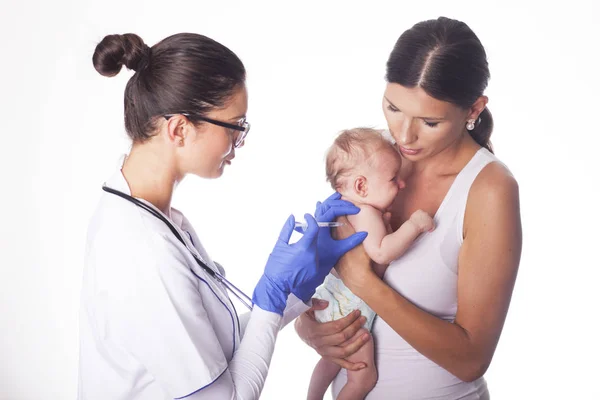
409,152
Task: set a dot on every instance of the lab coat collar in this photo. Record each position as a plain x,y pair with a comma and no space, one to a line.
117,181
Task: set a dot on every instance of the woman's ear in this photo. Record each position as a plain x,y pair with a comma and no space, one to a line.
477,107
360,186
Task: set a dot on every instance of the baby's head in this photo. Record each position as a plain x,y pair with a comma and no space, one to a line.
363,166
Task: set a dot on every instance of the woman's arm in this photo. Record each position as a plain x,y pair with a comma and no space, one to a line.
488,264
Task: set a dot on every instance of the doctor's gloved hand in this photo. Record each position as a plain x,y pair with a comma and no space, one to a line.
290,267
330,250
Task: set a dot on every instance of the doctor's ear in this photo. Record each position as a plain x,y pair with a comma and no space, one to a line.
178,129
360,186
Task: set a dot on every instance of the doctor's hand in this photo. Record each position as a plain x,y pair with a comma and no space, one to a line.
335,340
291,268
329,249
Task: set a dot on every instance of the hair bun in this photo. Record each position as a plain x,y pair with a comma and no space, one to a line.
114,51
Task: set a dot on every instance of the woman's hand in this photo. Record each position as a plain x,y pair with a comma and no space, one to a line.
354,267
335,340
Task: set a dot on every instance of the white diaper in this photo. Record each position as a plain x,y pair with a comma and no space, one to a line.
341,302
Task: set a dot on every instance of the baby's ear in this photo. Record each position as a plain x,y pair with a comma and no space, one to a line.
361,186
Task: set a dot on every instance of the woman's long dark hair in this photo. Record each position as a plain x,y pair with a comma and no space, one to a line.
446,59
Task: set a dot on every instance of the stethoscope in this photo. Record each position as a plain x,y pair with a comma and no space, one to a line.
238,293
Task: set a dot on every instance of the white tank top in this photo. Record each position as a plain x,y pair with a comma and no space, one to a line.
427,275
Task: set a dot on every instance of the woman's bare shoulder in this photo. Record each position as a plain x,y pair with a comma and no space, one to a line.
494,178
494,191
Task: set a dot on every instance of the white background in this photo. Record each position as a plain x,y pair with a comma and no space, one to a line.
314,68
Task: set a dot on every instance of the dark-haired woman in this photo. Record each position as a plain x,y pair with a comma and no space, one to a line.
156,319
442,305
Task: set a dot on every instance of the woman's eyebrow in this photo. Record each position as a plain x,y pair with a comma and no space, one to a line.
426,118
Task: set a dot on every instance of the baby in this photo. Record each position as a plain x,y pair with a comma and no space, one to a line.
363,167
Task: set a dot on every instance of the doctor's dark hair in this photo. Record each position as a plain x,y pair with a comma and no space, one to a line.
185,72
445,58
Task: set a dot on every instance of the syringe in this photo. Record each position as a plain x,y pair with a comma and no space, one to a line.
303,225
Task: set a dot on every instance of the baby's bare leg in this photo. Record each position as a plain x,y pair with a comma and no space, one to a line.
324,373
360,382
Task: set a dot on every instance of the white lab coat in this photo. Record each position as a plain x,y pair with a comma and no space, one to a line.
154,324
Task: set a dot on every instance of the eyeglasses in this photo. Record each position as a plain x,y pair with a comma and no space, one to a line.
242,125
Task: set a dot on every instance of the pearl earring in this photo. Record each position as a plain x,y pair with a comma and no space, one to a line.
470,124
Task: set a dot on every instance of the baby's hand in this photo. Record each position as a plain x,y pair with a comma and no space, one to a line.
422,221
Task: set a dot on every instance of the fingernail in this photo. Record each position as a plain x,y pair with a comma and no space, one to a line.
365,337
363,320
362,366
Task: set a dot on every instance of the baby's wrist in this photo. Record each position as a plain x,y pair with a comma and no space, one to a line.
414,225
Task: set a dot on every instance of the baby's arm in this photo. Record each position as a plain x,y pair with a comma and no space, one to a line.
382,247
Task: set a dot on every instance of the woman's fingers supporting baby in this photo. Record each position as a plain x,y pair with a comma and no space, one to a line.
339,339
348,348
337,333
347,365
335,340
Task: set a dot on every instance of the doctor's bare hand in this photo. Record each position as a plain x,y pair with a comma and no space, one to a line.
335,340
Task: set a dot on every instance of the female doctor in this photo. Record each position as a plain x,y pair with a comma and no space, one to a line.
156,319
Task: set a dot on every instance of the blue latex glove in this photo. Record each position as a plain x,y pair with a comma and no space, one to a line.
329,250
289,267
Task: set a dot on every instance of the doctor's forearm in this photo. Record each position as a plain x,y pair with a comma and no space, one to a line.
250,363
445,343
247,371
294,308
